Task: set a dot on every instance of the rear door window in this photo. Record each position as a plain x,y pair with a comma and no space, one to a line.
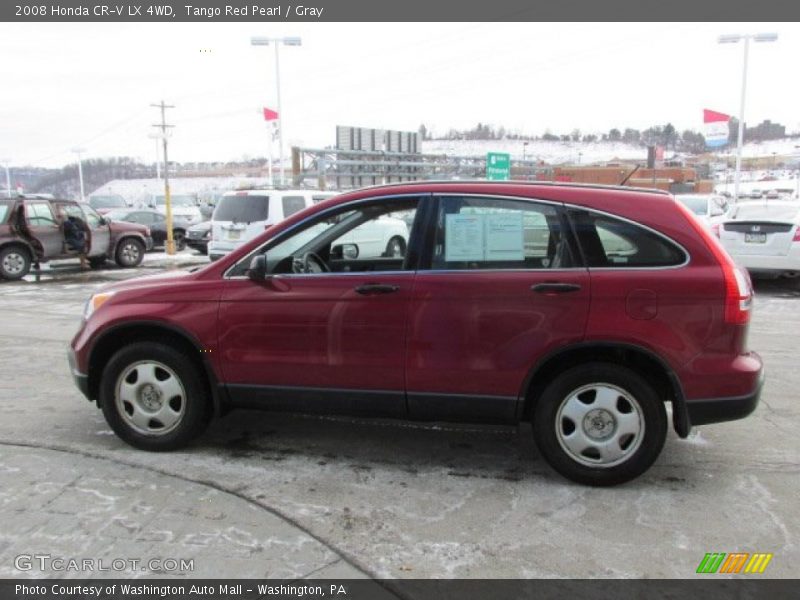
242,208
293,204
492,233
39,214
614,243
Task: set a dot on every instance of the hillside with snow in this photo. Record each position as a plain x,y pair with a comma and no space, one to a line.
558,152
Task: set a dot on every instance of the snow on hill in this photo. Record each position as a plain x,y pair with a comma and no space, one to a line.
553,152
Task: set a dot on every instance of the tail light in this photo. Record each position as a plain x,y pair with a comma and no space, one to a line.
738,287
715,229
796,237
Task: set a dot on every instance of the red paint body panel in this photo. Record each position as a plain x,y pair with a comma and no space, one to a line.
480,333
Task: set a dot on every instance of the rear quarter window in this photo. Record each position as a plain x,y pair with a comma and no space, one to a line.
614,243
3,212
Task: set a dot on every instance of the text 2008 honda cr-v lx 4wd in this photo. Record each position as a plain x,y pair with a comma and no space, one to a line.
583,309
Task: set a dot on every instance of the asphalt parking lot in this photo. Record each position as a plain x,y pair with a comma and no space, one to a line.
285,496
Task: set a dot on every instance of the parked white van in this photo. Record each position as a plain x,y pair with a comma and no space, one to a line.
241,215
184,206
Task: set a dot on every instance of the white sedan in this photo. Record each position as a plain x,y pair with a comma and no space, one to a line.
382,237
764,236
709,208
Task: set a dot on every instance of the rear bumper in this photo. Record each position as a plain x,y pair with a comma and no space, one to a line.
770,264
718,410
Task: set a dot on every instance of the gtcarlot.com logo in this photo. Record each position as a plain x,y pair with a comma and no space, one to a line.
735,562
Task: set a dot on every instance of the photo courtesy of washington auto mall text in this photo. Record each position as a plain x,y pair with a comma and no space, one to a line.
399,300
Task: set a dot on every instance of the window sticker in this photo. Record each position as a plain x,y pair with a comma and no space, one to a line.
464,238
505,238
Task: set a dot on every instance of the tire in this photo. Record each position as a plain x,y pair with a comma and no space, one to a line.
129,253
600,424
395,248
15,262
97,262
179,237
153,397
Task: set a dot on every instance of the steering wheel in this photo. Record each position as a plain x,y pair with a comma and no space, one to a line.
310,263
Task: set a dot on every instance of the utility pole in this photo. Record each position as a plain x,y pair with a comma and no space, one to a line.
163,125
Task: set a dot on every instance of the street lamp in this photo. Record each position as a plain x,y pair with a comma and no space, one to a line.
735,38
78,152
277,41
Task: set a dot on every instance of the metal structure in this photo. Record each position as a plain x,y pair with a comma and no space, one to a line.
331,168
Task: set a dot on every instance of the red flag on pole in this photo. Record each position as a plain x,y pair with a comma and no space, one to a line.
712,116
270,115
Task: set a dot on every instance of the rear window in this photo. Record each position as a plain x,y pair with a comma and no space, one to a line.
610,242
3,212
764,211
242,209
293,204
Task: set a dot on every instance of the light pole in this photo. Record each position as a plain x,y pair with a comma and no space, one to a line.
8,177
277,41
735,38
78,152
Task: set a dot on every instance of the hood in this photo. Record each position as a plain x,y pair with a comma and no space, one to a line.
125,227
164,279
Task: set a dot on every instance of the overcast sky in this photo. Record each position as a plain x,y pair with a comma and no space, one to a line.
91,85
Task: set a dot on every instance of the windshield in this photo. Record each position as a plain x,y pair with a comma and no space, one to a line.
107,202
176,200
698,205
242,209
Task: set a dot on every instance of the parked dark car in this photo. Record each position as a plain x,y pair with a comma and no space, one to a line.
583,309
157,223
198,236
32,231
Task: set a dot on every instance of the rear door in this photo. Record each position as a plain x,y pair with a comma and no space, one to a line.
502,289
44,231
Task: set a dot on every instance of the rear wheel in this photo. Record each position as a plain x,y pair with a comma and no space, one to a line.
600,424
130,252
395,248
15,262
153,397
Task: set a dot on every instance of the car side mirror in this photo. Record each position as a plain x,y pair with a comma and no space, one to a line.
103,221
346,251
258,268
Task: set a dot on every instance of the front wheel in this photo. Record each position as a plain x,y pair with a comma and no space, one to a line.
153,397
600,424
130,253
15,262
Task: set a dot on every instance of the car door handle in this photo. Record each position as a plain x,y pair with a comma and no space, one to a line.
372,289
555,288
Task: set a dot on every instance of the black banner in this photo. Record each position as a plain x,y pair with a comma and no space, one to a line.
405,10
406,589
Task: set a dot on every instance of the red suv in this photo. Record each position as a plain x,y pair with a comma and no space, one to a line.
583,309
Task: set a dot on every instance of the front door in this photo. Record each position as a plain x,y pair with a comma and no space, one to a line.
325,332
100,232
501,291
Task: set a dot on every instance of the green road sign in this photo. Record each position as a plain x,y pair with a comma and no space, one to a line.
498,166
